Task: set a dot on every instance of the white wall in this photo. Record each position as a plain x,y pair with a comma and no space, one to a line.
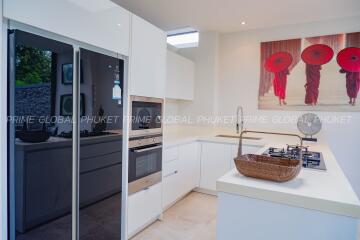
227,75
239,57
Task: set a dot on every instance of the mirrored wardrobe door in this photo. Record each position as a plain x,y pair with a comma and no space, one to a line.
101,84
40,145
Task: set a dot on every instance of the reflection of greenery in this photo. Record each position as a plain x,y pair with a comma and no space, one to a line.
33,66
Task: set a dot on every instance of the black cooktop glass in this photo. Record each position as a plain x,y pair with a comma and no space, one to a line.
311,160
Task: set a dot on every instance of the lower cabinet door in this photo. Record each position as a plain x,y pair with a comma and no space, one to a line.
143,208
189,161
171,188
214,163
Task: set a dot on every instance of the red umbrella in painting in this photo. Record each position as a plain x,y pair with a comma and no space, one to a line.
314,56
349,61
279,63
318,54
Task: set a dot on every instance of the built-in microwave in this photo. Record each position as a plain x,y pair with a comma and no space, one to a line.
145,116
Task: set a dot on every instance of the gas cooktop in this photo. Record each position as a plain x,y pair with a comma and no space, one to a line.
312,160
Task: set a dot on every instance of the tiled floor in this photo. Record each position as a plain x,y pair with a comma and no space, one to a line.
192,218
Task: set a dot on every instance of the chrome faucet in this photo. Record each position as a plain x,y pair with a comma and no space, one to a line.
240,150
239,109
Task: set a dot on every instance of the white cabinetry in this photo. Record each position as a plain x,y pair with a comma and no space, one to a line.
181,172
179,77
189,166
143,208
216,160
148,59
101,23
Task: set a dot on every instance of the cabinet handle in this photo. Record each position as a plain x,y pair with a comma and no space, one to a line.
147,149
170,174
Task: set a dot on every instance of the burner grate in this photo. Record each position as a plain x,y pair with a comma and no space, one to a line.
311,160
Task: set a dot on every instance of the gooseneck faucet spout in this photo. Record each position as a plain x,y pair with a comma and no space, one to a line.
240,152
239,110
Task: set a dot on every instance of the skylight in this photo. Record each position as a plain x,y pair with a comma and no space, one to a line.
183,38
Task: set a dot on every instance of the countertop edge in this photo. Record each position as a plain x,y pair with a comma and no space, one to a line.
323,205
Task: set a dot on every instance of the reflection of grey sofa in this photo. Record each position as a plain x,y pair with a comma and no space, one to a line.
44,177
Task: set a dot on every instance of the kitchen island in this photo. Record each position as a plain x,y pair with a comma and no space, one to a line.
317,205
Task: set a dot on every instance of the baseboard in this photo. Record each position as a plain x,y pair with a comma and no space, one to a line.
206,191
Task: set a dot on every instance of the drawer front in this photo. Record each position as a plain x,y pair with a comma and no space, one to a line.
170,154
170,168
143,207
100,184
92,150
94,163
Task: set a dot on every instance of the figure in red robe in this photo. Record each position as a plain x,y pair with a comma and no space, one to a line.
279,83
312,84
279,63
352,85
349,61
315,56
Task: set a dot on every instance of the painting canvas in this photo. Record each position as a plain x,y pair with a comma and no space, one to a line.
313,73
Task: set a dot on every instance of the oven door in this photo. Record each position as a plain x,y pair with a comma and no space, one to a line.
144,167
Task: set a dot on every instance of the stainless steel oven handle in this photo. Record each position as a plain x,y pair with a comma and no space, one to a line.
170,174
147,149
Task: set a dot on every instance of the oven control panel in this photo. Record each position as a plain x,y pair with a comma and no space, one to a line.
144,141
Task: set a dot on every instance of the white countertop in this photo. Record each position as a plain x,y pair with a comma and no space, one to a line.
189,134
328,191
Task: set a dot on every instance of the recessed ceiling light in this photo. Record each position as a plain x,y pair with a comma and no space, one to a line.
243,23
119,24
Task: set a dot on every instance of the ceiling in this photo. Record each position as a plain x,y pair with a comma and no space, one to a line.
227,15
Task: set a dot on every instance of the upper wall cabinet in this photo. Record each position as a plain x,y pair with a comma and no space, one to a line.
101,23
148,59
179,77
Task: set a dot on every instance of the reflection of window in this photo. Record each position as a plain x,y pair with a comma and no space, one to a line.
35,76
183,38
33,66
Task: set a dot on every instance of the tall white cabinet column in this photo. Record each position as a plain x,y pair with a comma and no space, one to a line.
147,59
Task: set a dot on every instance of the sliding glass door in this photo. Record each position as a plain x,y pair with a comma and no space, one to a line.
65,147
40,107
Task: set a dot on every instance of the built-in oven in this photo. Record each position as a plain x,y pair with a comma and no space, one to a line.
145,162
146,116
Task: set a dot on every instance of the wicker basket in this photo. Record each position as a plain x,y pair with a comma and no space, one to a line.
268,168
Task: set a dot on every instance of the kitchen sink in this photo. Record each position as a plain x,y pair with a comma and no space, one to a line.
236,136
